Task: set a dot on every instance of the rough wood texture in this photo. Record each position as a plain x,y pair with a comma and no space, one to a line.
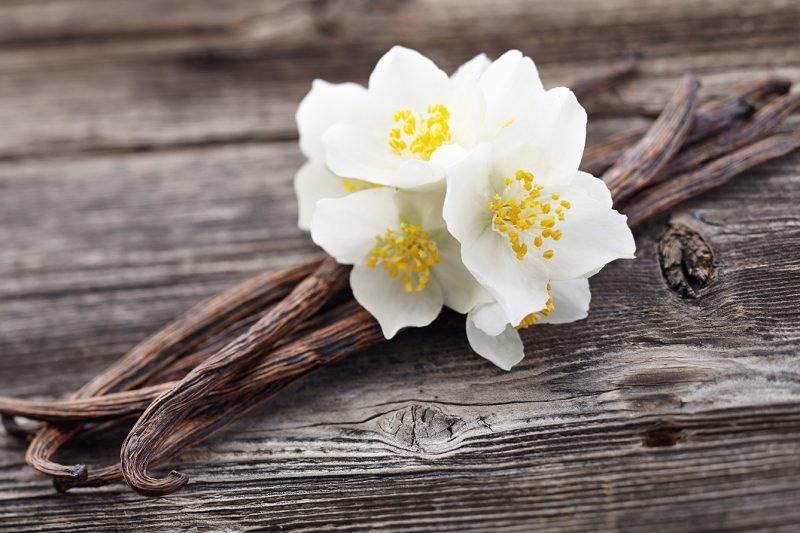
147,152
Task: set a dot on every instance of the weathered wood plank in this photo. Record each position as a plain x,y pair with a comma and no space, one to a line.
420,423
136,75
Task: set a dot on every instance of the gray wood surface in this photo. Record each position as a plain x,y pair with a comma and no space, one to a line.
147,149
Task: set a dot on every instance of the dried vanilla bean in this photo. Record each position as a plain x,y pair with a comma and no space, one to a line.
711,117
160,350
665,195
139,448
743,101
642,163
355,330
763,122
767,119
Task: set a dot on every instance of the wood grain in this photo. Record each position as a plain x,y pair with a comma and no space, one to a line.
146,158
223,72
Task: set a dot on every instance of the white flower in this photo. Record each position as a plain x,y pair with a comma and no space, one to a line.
525,215
405,264
524,228
417,121
492,336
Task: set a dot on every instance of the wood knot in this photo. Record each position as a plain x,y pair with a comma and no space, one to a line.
687,261
422,428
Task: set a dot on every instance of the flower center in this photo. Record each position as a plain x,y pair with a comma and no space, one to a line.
421,134
533,318
355,184
407,253
524,213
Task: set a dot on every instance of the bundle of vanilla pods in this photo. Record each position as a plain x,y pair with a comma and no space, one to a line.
239,349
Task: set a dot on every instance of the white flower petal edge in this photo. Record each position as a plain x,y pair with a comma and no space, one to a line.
346,227
547,138
312,183
508,83
393,308
593,187
323,106
505,348
405,78
571,299
472,69
593,236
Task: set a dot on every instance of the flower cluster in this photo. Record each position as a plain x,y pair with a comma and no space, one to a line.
460,191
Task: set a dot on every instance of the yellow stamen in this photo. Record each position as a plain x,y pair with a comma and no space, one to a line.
522,213
420,135
408,254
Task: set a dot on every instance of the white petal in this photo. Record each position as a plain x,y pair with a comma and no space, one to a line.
311,183
468,191
446,156
467,111
504,350
423,207
548,140
391,306
507,84
595,188
489,318
325,105
519,286
358,152
593,235
404,78
346,227
472,69
570,301
461,290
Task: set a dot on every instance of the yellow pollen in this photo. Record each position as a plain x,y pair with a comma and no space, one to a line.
534,317
420,135
525,215
408,254
507,123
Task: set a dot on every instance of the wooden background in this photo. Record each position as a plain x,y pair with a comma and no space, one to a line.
147,149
